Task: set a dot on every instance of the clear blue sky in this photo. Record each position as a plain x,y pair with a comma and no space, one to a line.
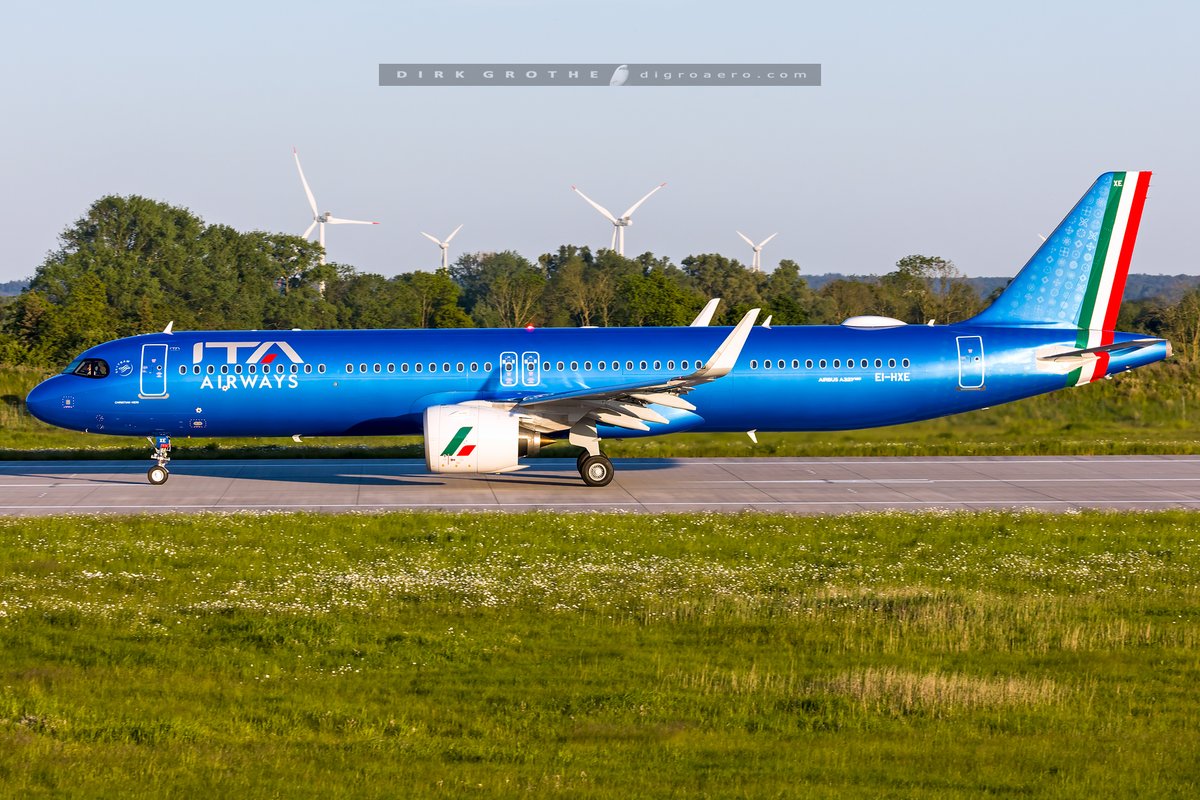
950,128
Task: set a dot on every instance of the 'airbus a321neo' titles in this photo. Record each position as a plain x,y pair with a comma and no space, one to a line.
486,398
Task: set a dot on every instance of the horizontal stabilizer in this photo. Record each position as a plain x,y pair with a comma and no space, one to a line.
1094,352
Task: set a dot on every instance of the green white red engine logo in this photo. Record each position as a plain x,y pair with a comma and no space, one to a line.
457,440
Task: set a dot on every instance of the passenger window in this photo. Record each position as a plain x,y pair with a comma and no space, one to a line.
795,363
670,364
196,370
432,367
905,363
574,366
418,366
587,366
391,367
362,367
404,367
754,363
459,367
642,366
837,363
616,365
823,363
446,367
183,370
808,363
474,366
349,368
210,369
321,368
294,369
891,363
378,369
683,364
658,365
487,366
779,363
864,363
629,366
766,363
308,369
545,366
600,365
878,363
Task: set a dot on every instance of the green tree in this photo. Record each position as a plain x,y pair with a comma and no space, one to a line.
715,275
500,289
787,296
656,299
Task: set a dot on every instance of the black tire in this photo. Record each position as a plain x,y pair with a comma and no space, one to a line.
596,471
579,460
157,475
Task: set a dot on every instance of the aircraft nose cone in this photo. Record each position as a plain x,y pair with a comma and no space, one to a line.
44,401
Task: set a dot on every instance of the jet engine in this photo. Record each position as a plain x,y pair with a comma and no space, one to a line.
470,438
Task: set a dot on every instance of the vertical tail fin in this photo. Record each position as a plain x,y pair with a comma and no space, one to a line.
1077,277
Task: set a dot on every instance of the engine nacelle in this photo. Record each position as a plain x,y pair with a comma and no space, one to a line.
474,438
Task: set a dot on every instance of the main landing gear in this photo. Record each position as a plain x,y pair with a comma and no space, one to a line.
594,467
158,473
595,470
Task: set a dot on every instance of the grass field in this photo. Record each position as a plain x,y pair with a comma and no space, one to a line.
1152,411
409,655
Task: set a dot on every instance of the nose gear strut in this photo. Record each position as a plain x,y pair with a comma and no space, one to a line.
158,473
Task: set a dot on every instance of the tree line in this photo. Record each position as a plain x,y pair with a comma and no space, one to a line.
131,264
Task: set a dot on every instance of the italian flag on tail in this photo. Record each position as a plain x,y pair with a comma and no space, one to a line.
1110,267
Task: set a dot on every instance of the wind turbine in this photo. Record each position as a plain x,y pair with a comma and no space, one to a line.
321,220
756,262
444,245
619,223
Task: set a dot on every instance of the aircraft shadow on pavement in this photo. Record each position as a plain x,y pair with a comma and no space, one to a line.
559,472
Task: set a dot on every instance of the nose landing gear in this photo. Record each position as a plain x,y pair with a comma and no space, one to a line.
158,473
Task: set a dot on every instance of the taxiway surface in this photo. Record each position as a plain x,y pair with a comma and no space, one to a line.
793,485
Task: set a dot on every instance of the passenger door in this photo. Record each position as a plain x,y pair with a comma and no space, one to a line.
970,362
154,371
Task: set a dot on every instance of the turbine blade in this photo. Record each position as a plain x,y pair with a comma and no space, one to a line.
636,205
595,205
456,230
340,221
431,238
312,201
745,238
769,238
308,232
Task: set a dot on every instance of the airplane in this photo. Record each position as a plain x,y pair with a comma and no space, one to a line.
486,398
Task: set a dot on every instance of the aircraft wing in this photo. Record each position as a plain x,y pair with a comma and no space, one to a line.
627,405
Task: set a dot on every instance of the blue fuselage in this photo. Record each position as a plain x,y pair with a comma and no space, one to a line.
337,383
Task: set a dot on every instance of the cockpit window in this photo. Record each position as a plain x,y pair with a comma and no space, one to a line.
91,368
